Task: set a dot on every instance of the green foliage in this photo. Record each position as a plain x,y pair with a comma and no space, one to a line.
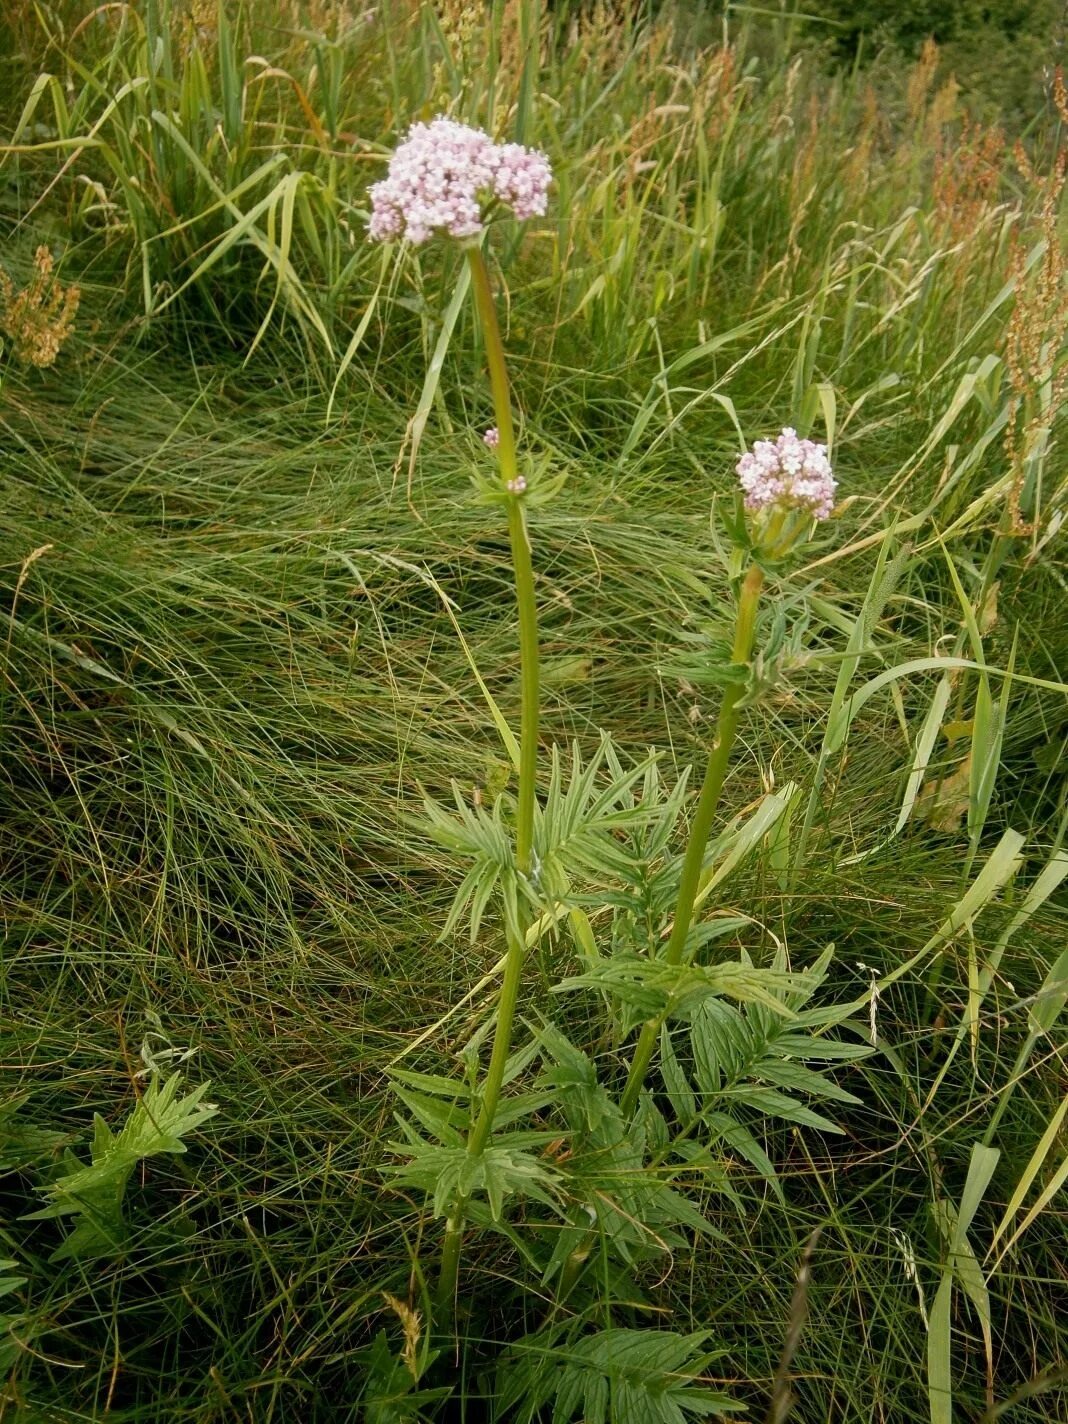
749,1069
612,1377
481,836
229,669
577,831
23,1144
910,22
175,136
391,1392
16,1327
450,1174
93,1194
997,49
652,989
614,1172
25,1149
576,834
962,1270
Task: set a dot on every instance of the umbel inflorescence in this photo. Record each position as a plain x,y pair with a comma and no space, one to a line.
787,473
444,178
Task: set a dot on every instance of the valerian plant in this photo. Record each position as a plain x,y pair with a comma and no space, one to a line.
609,1164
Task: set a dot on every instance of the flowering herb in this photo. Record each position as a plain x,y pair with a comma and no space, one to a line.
446,176
445,180
788,473
786,483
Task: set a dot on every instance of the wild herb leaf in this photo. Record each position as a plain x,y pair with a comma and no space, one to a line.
481,836
94,1194
652,988
17,1328
23,1145
451,1174
612,1377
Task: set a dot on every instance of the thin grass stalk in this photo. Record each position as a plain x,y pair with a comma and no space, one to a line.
707,805
528,756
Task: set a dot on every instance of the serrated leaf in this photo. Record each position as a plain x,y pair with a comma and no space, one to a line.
158,1123
654,988
795,1076
449,1175
588,1108
617,1377
722,1043
481,836
649,1124
578,826
741,1140
443,1121
434,1083
680,1095
807,1045
771,1103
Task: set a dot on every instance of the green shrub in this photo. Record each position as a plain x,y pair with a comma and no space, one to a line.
972,35
908,23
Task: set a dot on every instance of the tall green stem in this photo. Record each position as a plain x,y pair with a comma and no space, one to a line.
528,755
708,801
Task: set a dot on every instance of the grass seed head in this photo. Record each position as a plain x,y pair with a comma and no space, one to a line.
1037,328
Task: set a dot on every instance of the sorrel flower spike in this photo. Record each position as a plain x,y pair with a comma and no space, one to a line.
443,178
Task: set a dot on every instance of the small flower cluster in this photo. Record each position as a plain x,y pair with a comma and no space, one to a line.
40,318
492,437
788,473
443,175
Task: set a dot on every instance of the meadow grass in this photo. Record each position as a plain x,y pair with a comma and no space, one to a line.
235,579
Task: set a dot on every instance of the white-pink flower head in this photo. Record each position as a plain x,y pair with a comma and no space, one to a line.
492,437
788,473
442,177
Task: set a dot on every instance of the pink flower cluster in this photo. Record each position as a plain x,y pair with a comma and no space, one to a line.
492,437
442,176
789,473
